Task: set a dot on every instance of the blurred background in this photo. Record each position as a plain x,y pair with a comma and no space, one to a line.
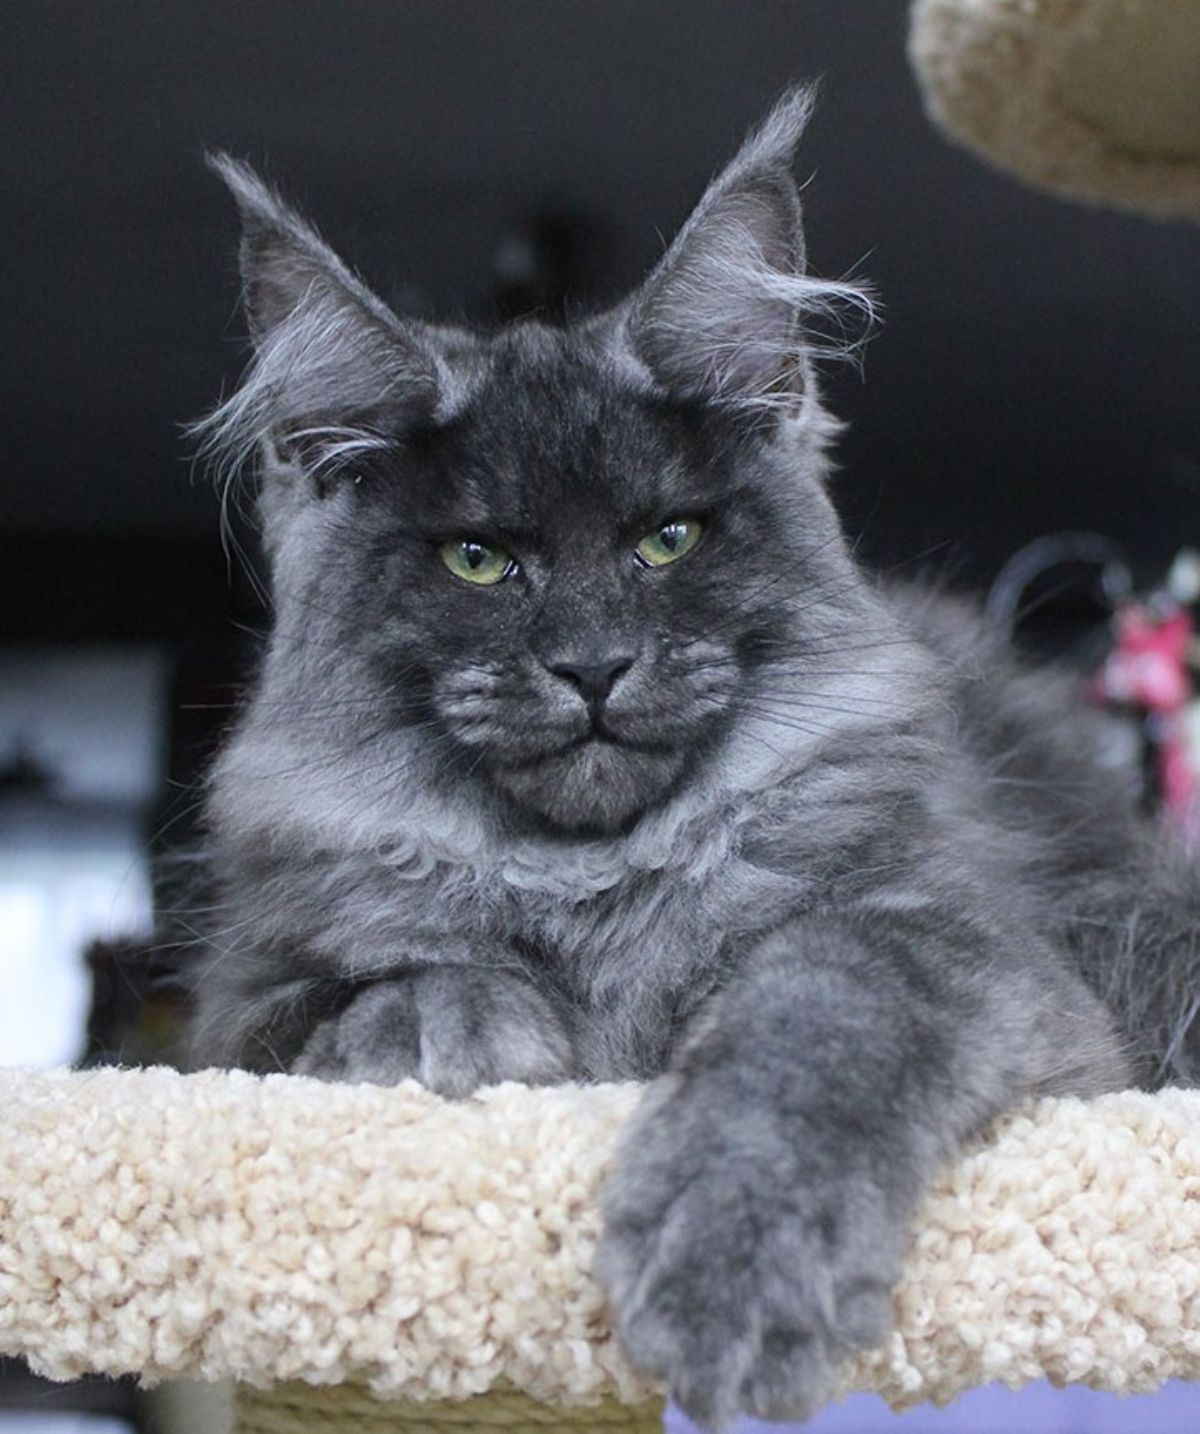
1037,371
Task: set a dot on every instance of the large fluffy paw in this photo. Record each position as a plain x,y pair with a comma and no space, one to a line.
452,1028
742,1267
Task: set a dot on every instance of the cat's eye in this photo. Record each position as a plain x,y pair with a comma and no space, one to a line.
476,562
670,542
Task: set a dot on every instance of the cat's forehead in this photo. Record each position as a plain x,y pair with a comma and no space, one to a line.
552,422
542,385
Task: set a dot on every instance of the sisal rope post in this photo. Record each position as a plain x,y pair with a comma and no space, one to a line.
297,1408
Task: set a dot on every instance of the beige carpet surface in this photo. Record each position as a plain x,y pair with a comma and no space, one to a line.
222,1225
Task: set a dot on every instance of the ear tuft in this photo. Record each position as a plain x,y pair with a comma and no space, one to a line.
334,372
729,315
282,256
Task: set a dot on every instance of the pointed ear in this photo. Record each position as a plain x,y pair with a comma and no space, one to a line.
722,316
334,369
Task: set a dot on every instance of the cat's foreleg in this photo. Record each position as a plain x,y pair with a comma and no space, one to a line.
759,1209
453,1028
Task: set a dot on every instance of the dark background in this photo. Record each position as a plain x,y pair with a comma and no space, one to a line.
1038,367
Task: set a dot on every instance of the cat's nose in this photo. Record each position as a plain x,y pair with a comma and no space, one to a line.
594,677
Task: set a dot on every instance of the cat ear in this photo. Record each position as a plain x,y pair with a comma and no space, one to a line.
723,315
334,370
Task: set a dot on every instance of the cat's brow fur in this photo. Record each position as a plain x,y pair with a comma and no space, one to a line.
829,867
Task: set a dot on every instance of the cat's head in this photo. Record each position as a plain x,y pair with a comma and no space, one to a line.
564,555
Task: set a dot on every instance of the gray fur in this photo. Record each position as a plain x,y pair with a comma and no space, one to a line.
827,866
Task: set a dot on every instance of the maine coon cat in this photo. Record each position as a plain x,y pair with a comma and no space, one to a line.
583,750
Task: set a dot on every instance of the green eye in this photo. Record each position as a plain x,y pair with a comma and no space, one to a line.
476,562
670,542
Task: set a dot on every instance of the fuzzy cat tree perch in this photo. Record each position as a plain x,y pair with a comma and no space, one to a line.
381,1259
1097,99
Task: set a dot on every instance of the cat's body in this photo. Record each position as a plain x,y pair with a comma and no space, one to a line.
626,935
583,750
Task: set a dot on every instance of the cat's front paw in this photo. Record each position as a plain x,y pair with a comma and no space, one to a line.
740,1272
452,1028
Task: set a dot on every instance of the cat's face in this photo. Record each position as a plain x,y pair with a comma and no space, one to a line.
570,585
560,556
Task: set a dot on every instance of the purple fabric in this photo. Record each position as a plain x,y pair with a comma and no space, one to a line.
1036,1409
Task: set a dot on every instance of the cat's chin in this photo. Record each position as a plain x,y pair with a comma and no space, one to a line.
594,788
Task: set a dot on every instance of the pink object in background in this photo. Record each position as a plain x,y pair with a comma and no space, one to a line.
1149,665
1149,668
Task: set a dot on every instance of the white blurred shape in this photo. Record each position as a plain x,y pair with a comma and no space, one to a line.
72,859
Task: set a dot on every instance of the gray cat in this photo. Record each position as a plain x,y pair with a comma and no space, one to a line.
583,750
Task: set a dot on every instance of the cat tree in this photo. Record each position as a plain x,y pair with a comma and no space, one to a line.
1096,99
380,1259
